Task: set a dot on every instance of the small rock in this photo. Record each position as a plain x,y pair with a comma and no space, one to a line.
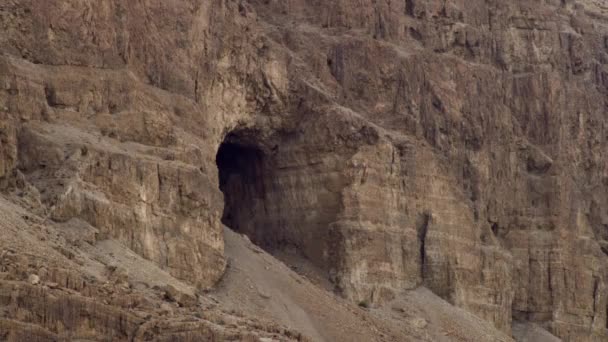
264,294
419,322
166,309
52,285
34,279
172,294
399,309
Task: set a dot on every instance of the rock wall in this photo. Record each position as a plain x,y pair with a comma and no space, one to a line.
104,118
453,144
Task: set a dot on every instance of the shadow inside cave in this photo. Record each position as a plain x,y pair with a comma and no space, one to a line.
241,176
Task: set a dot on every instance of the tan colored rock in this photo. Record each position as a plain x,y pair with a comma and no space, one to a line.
33,279
183,299
457,145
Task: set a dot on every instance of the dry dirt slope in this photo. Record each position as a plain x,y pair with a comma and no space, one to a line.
260,285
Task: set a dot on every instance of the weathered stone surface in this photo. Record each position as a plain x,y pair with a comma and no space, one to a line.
459,145
77,295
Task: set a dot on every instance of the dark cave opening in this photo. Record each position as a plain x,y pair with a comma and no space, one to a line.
422,228
262,203
241,180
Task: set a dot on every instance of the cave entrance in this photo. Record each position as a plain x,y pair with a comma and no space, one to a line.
259,202
242,177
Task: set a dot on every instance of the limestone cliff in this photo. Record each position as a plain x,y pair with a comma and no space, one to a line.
455,145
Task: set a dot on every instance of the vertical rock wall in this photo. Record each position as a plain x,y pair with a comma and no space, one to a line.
458,145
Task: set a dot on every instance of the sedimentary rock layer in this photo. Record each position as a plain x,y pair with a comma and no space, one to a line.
459,145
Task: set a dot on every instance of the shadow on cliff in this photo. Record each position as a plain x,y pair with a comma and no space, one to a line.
241,173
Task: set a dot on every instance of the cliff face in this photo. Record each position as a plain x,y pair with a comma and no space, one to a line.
457,145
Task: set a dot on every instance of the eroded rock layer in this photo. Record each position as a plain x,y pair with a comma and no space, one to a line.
458,145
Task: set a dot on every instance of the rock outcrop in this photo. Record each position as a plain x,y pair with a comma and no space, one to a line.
457,145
